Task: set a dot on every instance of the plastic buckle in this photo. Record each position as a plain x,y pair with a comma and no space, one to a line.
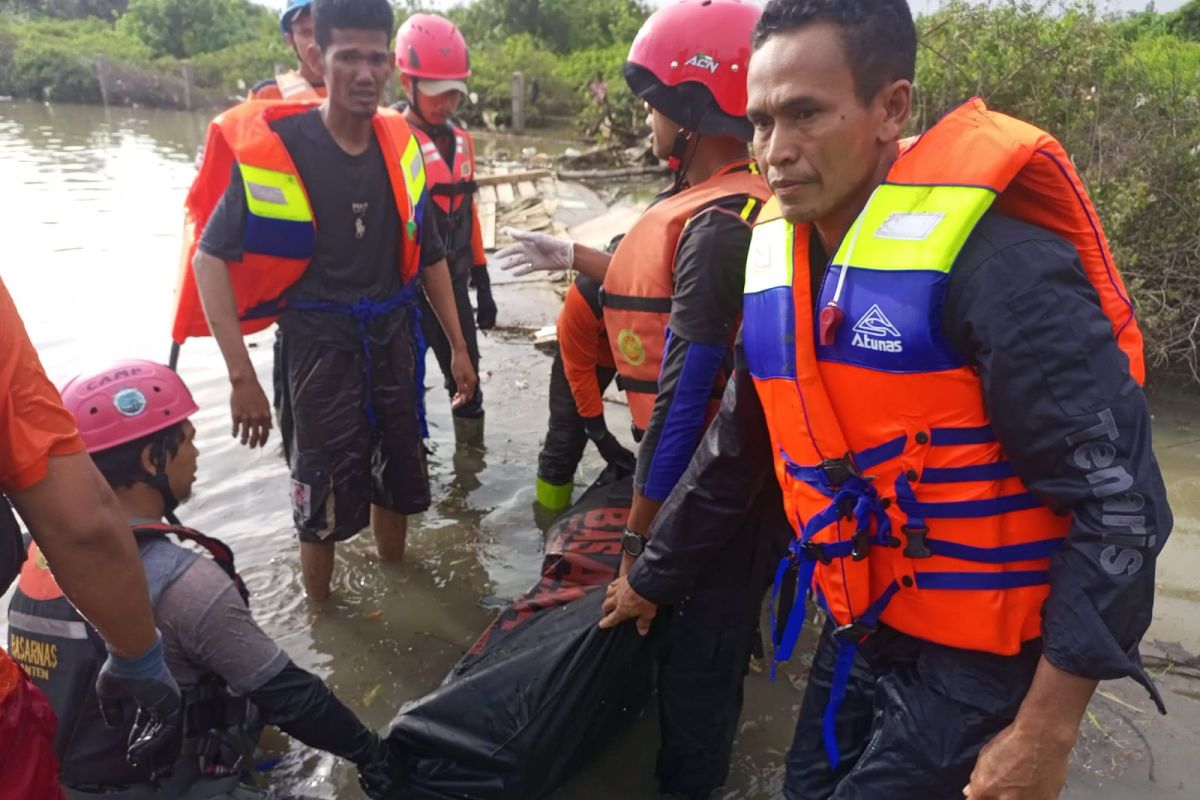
838,470
814,551
916,547
861,544
854,632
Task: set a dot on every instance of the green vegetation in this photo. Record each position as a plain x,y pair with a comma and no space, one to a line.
1123,94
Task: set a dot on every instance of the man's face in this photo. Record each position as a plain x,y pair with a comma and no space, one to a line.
438,109
663,131
181,468
357,65
302,34
815,141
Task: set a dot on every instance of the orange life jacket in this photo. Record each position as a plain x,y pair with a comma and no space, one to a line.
640,282
290,85
457,178
903,503
279,230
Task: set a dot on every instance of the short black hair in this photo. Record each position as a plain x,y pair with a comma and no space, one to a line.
122,465
879,36
357,15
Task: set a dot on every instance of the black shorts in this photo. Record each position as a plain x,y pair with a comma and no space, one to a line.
341,464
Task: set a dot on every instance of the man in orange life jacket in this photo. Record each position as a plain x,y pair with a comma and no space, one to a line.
76,520
316,215
134,420
940,361
671,307
431,55
582,369
305,82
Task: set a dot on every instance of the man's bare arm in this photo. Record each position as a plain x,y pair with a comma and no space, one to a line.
248,403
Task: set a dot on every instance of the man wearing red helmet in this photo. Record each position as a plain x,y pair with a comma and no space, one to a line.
431,55
134,420
306,81
671,309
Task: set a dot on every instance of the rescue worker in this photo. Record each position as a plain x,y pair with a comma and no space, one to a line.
432,58
306,81
134,420
941,365
76,520
581,371
671,308
316,215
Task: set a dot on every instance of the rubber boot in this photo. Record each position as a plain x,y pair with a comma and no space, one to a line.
554,496
468,431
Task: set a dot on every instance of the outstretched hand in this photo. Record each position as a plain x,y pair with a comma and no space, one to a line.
531,251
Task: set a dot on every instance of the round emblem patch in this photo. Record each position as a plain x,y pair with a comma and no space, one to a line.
130,402
631,347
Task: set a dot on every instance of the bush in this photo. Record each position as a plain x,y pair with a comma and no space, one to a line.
184,28
56,59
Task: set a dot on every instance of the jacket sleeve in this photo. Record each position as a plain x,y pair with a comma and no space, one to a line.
1076,428
478,255
710,265
578,337
710,500
301,705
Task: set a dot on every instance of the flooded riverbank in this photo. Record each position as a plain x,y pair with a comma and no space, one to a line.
92,216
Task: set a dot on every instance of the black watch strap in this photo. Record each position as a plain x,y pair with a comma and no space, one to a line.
632,543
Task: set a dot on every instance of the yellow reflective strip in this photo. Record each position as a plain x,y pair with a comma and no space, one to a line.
914,227
748,209
769,260
753,167
413,167
275,195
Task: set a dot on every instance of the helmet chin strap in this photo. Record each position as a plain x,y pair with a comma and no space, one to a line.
162,483
680,159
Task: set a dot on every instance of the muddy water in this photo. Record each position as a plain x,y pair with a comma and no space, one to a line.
90,209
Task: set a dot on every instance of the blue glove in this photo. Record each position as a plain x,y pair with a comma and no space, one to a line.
157,733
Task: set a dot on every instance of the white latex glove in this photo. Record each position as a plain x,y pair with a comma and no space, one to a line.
535,251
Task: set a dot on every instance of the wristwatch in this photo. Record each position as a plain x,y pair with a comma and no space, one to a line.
633,543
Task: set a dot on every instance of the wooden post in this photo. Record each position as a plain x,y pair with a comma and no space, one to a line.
518,102
102,77
189,85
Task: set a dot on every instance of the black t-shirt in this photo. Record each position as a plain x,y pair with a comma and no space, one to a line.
358,229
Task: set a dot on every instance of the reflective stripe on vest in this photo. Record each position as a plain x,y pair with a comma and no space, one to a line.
640,281
279,219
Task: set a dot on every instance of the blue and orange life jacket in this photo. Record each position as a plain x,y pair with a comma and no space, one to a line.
280,232
905,509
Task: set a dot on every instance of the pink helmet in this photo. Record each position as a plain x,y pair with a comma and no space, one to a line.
430,47
126,401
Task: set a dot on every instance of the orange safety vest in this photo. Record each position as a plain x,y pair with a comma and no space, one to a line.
456,180
290,85
280,231
905,509
641,280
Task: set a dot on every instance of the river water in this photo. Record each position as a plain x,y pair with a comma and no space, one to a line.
90,203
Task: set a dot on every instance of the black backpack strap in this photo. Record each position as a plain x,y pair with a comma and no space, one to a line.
220,552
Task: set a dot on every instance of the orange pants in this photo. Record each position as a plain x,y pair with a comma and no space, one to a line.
27,725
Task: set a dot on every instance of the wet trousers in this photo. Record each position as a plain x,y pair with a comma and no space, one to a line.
709,639
565,438
913,722
435,337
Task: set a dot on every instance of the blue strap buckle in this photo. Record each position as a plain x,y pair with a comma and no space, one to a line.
916,547
838,470
854,632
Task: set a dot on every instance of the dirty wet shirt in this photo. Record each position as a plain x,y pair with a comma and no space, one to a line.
1019,309
358,230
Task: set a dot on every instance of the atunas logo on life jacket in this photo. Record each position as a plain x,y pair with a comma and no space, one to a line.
874,331
631,347
703,61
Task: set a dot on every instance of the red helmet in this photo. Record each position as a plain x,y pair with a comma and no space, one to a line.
689,63
431,48
126,401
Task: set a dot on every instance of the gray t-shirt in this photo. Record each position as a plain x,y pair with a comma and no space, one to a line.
207,628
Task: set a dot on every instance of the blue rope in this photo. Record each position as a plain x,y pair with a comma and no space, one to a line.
364,312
